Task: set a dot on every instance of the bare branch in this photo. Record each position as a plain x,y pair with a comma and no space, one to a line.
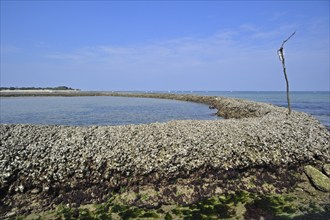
287,39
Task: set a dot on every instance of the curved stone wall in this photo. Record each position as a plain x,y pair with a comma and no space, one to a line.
56,164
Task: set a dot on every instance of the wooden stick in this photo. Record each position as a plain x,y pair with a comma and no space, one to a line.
281,56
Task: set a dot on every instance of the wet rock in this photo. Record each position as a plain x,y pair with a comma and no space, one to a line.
318,179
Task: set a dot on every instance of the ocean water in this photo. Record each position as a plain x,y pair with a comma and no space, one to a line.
98,110
105,110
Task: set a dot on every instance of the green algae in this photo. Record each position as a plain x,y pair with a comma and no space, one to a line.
237,205
64,212
84,214
168,216
102,211
213,208
275,205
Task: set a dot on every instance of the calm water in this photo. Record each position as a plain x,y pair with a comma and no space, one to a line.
121,110
98,110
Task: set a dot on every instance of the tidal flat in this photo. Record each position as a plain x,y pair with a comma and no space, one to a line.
254,164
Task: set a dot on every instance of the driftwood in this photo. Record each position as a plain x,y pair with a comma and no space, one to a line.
281,56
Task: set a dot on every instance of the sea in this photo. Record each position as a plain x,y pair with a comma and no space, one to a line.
107,110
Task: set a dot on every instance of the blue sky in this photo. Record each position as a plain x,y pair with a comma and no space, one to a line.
165,45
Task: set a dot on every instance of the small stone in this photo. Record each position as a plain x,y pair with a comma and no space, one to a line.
21,188
326,169
218,191
319,180
10,214
6,175
45,188
35,191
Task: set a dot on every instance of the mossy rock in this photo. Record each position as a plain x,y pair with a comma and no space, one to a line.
318,179
326,169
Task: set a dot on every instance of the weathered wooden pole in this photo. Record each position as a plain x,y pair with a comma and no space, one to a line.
281,56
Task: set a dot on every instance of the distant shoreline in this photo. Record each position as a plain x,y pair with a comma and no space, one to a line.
49,92
37,88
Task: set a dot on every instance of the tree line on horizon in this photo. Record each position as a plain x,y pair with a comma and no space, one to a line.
37,88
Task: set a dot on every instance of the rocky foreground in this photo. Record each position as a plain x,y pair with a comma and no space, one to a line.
259,150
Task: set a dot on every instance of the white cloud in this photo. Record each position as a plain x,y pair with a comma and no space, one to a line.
246,56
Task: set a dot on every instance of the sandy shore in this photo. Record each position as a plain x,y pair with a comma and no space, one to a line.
258,148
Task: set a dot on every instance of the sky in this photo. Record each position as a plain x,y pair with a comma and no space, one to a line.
165,45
